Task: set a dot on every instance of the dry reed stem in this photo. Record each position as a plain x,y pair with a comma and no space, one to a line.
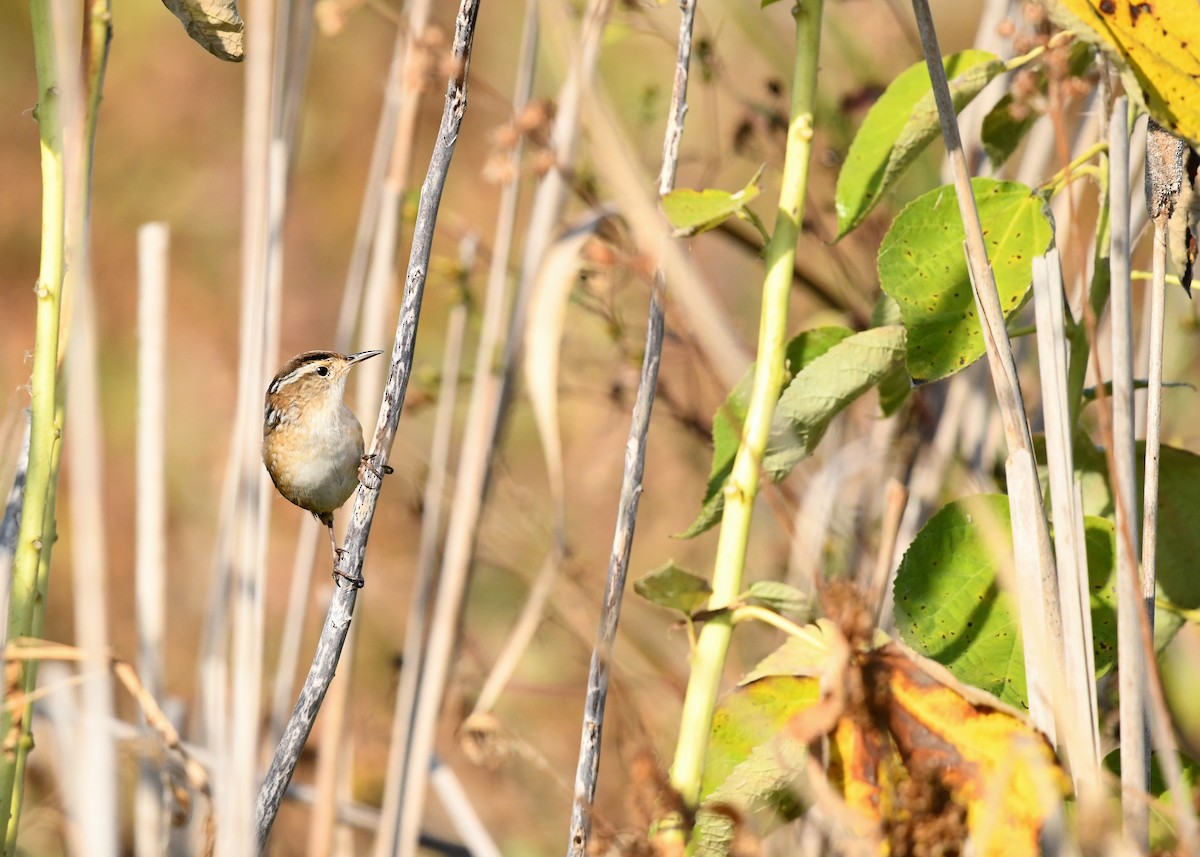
262,204
1080,708
485,425
416,631
475,455
150,571
1131,657
40,650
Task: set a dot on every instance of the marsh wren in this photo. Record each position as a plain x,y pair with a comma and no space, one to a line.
312,443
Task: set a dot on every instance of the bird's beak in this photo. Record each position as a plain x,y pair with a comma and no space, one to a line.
360,356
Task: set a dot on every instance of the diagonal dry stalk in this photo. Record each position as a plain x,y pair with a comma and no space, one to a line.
1032,544
350,561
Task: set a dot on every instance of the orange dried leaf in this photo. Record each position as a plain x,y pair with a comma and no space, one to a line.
994,764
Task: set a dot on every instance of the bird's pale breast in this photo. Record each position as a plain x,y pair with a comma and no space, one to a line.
314,463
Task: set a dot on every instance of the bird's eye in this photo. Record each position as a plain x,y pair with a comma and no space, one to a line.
322,371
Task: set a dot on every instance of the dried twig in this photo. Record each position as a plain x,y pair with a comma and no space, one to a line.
350,561
26,649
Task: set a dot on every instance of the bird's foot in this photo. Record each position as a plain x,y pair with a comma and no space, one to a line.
355,580
371,474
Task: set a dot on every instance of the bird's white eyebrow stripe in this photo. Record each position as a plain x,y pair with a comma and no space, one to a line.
278,383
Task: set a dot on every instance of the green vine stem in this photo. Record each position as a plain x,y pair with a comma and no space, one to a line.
38,528
708,659
32,550
29,676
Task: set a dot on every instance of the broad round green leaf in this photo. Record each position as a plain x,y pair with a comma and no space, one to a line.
949,605
922,266
951,608
1178,514
898,128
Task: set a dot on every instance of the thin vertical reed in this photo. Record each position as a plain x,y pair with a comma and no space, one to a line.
588,765
1131,658
474,464
92,781
1082,731
416,627
380,285
1154,391
475,457
150,570
92,788
381,273
261,198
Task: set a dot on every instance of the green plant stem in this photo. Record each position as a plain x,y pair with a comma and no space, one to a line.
1076,168
748,612
32,549
708,660
29,677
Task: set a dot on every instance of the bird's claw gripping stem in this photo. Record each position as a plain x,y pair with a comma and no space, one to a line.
371,474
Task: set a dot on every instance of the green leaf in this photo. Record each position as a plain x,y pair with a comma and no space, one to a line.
691,212
1178,515
823,388
948,604
674,588
898,128
762,788
750,716
1100,535
951,608
1004,128
778,596
923,267
1164,836
727,422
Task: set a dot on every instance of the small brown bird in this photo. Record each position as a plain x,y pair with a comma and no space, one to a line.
312,443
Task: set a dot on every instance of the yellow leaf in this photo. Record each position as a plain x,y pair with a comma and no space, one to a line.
996,766
1157,46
